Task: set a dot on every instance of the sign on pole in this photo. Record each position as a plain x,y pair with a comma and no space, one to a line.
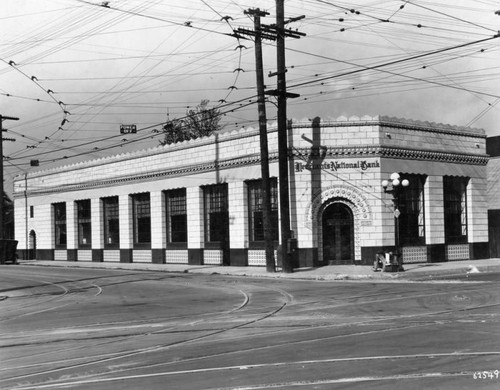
127,129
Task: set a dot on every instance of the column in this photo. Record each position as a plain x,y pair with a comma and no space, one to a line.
238,223
97,230
195,216
434,218
71,231
126,228
477,218
158,227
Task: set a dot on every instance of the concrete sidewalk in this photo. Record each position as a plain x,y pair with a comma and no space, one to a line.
421,271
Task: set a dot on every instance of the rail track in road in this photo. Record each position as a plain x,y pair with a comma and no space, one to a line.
162,326
267,319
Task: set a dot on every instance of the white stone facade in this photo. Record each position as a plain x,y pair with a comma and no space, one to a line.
336,166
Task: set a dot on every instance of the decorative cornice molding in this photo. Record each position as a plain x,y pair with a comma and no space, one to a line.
252,159
430,155
392,152
393,122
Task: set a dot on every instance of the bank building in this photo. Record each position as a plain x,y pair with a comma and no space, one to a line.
357,186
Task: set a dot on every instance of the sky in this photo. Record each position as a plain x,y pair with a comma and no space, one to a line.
73,71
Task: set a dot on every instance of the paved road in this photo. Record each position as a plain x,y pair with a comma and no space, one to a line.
114,329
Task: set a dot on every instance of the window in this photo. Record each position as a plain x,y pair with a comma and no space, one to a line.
216,213
60,224
84,222
32,212
142,218
111,221
455,209
411,206
176,215
256,210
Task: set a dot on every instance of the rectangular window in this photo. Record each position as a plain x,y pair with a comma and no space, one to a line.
216,213
60,224
32,212
176,216
256,210
455,209
411,206
141,206
83,223
111,221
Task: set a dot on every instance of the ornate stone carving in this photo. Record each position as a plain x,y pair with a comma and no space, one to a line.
361,209
351,197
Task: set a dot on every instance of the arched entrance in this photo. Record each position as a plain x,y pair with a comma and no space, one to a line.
32,246
338,234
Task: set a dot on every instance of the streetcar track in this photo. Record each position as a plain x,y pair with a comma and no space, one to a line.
369,322
286,363
289,298
288,343
166,346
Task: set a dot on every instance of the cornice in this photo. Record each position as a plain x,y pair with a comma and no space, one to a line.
392,152
430,155
247,160
393,122
254,159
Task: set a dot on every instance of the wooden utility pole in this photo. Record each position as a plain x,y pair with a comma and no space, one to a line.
282,95
278,32
264,151
2,118
286,259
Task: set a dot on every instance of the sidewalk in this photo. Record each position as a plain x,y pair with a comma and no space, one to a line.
421,271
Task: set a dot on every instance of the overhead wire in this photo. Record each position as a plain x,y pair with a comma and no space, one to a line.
312,82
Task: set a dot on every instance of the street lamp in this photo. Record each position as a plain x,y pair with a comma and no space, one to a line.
395,187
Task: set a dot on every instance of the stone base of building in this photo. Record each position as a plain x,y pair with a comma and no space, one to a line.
242,257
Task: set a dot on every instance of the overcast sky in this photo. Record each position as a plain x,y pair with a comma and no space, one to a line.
73,71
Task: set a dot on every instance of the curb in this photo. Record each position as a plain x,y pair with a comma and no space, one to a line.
407,276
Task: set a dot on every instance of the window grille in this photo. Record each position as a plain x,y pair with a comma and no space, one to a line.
141,206
84,222
60,224
111,216
411,207
455,209
216,213
176,215
256,210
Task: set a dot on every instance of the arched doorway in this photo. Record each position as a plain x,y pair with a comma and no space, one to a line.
32,246
338,234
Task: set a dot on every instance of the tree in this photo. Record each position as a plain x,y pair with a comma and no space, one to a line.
201,121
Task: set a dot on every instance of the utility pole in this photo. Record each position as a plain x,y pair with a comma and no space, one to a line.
278,32
282,95
264,151
2,118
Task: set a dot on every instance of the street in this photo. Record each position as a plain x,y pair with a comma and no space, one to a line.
77,328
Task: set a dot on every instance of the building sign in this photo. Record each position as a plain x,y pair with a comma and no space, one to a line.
126,129
336,165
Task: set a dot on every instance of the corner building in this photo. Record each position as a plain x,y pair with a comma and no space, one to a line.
200,201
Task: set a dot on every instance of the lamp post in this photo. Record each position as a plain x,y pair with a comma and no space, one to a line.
395,187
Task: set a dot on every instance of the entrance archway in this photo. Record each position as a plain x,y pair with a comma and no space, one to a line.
32,246
338,234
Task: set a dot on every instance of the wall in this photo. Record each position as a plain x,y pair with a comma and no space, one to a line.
341,159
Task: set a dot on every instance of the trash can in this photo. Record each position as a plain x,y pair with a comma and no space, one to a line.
292,251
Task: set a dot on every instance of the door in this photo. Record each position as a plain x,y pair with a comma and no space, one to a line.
32,246
338,234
